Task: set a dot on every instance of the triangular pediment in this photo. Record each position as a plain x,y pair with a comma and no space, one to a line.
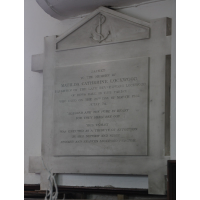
103,26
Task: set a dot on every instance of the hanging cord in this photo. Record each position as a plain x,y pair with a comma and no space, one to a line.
50,195
115,8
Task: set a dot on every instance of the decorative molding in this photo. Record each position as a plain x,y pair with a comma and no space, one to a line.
103,26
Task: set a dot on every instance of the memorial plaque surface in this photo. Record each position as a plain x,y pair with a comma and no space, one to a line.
104,113
101,108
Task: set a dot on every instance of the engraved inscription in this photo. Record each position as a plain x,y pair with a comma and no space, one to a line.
101,108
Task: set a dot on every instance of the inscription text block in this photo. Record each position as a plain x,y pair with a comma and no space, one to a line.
101,108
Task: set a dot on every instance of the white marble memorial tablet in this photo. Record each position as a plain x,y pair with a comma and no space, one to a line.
101,108
106,99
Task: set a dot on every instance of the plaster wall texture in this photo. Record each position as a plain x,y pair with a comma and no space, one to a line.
38,25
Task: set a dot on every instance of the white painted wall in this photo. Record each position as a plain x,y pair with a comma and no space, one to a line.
38,25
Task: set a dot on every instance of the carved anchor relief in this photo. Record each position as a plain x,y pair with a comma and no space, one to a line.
98,36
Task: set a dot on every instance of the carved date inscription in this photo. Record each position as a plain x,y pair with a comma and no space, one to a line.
101,108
